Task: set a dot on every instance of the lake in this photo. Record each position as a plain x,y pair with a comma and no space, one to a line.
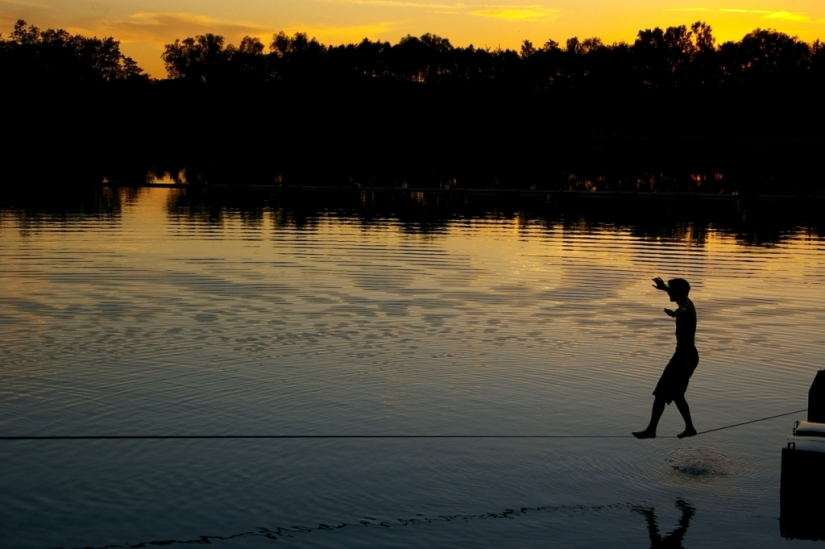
361,331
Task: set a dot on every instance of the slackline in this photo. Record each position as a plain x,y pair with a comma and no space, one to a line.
232,437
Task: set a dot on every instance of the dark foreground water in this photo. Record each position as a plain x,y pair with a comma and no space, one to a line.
154,320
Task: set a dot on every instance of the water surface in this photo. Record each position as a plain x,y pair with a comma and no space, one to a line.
149,318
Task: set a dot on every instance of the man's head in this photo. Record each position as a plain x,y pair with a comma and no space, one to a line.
679,289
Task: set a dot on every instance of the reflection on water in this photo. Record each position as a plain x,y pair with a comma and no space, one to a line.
364,530
59,205
752,221
674,538
269,314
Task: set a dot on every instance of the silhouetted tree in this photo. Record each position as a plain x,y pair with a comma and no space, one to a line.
676,58
385,102
817,77
296,57
284,46
372,58
248,62
200,59
527,49
664,58
765,58
422,59
53,55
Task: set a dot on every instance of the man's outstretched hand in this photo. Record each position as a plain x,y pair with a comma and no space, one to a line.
660,284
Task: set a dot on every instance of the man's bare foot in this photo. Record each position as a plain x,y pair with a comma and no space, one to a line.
644,434
691,432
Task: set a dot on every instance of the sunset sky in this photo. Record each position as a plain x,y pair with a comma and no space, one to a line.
144,26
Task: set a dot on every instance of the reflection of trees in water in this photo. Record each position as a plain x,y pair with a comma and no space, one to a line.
250,207
741,180
67,206
752,222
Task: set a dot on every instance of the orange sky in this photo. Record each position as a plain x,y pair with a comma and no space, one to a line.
144,26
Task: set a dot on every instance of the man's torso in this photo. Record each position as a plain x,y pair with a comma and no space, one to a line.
686,324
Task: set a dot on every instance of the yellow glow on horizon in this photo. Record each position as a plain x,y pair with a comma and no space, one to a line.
333,36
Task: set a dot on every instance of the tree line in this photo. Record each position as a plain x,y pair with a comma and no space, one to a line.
676,57
31,55
679,57
421,112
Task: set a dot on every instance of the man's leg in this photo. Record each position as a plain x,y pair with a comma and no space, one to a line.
655,415
684,409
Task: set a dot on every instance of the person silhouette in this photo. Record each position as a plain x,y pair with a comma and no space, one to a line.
674,539
674,380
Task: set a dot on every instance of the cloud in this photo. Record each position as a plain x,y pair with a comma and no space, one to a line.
7,21
517,12
163,28
688,9
7,6
734,10
532,12
155,27
400,4
771,15
33,12
786,16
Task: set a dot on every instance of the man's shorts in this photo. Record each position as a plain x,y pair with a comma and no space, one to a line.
675,378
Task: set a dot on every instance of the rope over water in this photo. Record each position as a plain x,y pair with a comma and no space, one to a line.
220,437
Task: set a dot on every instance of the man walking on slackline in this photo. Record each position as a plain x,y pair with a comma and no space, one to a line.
674,381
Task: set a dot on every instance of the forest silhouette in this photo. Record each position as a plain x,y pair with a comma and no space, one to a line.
671,111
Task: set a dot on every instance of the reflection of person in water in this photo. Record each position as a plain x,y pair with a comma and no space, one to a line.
674,381
674,539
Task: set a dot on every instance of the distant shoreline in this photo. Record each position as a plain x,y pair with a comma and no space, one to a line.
642,195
